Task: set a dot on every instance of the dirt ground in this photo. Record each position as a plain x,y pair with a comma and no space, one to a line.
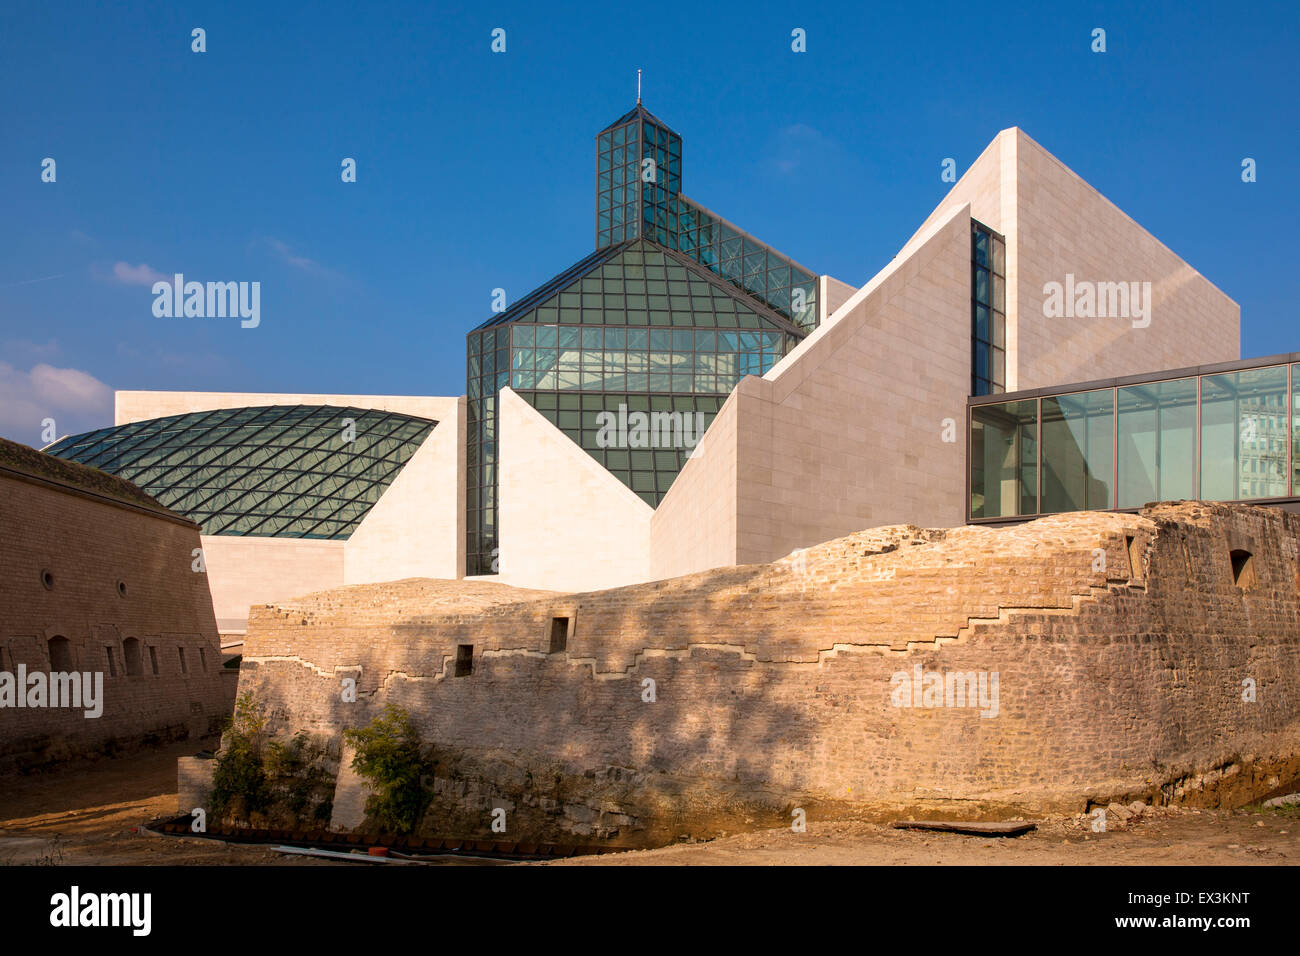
1158,837
88,814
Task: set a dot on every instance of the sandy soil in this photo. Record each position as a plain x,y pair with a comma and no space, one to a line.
1158,837
88,814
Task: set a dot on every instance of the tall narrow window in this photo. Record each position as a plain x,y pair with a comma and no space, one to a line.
60,655
988,311
131,654
559,634
464,660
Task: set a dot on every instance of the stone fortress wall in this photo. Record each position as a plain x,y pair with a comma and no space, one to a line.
1152,656
96,577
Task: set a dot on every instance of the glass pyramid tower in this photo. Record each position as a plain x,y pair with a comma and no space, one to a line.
673,308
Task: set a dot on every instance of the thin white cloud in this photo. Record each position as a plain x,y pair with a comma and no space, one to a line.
75,400
143,274
795,145
287,255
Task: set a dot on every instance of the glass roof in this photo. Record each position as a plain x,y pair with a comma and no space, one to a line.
639,195
289,471
569,295
672,310
641,113
574,272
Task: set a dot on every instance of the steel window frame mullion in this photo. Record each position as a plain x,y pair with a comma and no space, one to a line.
110,456
1038,503
1113,496
208,424
342,503
1199,463
384,417
202,446
287,466
258,431
370,483
970,465
131,442
127,460
329,435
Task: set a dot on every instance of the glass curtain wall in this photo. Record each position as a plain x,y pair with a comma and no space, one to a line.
1004,459
618,183
1244,434
1231,436
1295,429
487,373
1078,451
640,331
1157,442
638,194
740,259
988,311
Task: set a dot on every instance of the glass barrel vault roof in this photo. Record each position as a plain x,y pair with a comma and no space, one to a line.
290,471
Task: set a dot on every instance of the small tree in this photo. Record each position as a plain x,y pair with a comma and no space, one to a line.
388,757
239,786
295,779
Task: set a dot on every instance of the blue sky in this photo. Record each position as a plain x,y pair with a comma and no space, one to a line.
475,169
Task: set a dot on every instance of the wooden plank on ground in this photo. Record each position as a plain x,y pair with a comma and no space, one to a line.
1008,829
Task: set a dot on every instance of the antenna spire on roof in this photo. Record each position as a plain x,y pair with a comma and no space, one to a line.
638,87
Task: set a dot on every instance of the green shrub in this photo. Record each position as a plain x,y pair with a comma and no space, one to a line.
239,784
388,757
301,787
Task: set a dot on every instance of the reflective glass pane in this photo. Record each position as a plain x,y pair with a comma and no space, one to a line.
1003,459
1244,434
233,469
1157,442
1295,429
1078,451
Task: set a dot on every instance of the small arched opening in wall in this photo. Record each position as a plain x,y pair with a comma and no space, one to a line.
131,657
60,654
1243,568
